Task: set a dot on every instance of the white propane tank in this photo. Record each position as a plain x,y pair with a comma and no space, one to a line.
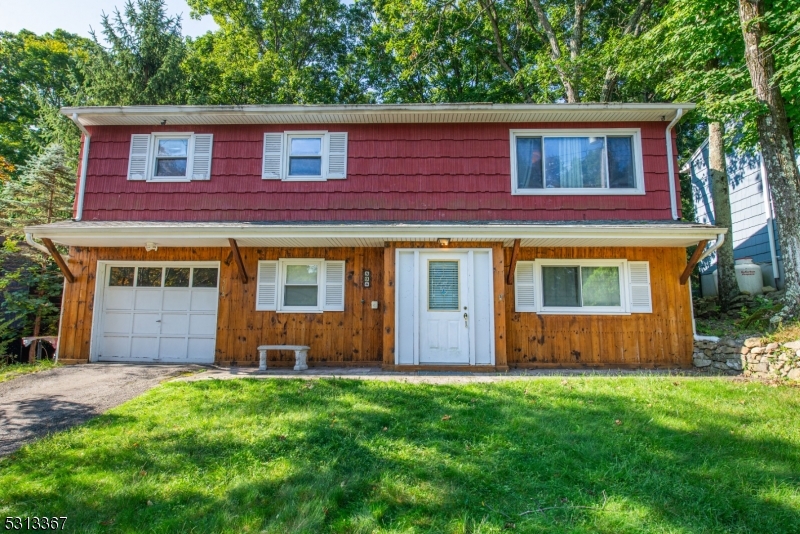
748,276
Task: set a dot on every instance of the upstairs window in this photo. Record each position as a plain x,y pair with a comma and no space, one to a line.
170,157
304,156
558,162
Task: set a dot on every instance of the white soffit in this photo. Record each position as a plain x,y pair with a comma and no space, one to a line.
373,114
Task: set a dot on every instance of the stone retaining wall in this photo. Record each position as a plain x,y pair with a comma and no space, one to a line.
750,357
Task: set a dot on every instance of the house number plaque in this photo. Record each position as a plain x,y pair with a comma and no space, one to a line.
366,278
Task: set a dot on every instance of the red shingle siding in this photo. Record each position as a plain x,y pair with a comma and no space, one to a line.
396,172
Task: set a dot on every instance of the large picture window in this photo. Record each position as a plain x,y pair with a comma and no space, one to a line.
565,162
582,286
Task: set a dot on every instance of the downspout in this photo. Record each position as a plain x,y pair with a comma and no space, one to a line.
713,248
87,138
718,243
673,195
768,217
41,248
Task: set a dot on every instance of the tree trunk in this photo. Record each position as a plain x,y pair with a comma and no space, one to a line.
720,194
37,325
776,145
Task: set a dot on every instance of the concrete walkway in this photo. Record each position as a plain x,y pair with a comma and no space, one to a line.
34,405
422,377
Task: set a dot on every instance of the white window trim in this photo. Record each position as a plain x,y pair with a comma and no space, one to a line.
282,264
539,308
287,150
571,132
151,159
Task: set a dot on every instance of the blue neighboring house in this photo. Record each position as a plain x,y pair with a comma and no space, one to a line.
755,232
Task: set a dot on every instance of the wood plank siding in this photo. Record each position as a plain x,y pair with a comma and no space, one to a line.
365,337
395,172
352,337
661,338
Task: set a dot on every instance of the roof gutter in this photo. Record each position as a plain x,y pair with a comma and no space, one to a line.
673,196
87,138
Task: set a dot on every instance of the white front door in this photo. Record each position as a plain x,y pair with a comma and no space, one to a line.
444,307
444,310
158,313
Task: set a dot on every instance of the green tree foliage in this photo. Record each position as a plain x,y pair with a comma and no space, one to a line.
783,41
509,50
38,74
278,51
142,64
43,193
30,282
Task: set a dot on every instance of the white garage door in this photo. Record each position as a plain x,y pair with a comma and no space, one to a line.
159,313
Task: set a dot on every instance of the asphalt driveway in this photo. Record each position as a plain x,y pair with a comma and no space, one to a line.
34,405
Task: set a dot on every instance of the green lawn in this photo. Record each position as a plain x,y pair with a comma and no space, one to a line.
611,455
7,372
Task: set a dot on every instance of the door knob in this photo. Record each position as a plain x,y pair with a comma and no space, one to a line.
466,324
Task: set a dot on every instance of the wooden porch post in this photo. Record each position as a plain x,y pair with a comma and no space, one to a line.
498,259
388,305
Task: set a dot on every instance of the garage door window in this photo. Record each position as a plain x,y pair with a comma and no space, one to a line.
204,277
121,276
177,277
148,277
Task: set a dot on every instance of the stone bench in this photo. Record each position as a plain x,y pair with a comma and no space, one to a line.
300,355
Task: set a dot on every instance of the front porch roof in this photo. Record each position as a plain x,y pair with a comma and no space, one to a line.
374,234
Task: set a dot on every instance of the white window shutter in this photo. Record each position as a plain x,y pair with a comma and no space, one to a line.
524,287
267,286
334,286
271,167
140,153
337,155
201,159
639,281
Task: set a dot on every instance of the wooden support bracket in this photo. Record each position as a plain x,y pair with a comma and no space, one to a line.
238,257
58,259
687,272
513,265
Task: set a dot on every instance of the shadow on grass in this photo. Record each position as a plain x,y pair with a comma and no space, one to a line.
361,456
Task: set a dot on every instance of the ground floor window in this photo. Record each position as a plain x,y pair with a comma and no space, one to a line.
300,285
582,286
